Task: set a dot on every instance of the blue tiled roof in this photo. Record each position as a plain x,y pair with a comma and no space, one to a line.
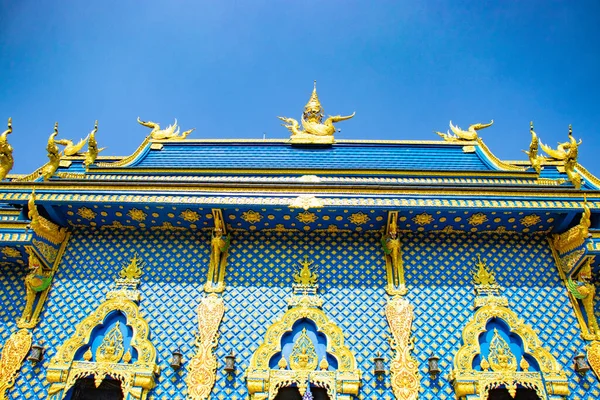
342,156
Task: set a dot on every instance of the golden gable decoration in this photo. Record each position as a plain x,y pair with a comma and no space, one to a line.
502,369
111,359
264,382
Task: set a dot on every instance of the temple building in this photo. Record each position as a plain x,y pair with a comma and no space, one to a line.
301,268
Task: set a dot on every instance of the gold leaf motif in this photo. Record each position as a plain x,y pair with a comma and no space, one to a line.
13,353
593,356
49,252
117,225
86,213
203,365
11,252
111,349
530,220
304,355
306,217
167,226
189,215
483,277
132,270
423,219
251,216
404,370
477,219
501,359
137,215
305,276
359,218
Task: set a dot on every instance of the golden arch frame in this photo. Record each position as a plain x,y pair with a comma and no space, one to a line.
263,382
468,381
137,378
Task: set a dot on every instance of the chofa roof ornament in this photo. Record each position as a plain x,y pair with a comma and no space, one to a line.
459,135
315,131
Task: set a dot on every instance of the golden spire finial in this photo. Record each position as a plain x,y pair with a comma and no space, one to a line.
570,129
530,125
483,277
312,110
305,276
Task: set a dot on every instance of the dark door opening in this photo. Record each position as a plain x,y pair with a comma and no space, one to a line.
85,389
293,394
522,394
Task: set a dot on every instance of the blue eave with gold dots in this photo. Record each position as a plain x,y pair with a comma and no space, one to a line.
435,185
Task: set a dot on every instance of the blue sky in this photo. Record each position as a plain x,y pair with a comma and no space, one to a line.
230,68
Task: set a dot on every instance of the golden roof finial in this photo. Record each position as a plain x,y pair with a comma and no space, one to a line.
305,276
570,129
133,270
483,277
313,110
530,125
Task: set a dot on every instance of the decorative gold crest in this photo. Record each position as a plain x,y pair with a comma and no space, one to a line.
306,217
477,219
530,220
86,213
137,215
251,216
359,218
423,219
189,215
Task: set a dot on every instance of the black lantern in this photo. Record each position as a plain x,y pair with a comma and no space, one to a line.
379,367
581,365
37,353
434,367
230,363
176,359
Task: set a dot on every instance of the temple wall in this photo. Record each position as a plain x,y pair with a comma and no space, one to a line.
259,278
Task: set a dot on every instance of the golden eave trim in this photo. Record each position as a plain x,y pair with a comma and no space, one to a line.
127,160
221,171
501,165
13,225
287,192
239,201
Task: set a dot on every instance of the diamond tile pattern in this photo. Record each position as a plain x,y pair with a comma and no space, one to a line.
351,270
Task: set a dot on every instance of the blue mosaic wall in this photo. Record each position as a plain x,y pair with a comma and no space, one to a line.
259,281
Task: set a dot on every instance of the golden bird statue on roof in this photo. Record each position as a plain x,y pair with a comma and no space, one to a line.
315,131
459,134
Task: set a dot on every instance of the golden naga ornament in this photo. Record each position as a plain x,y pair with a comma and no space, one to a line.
13,353
6,152
315,131
567,152
92,152
171,132
43,227
53,155
459,135
535,159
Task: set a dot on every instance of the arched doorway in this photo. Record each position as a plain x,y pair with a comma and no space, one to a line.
85,389
522,394
291,393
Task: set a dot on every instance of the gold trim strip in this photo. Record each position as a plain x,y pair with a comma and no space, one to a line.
326,201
